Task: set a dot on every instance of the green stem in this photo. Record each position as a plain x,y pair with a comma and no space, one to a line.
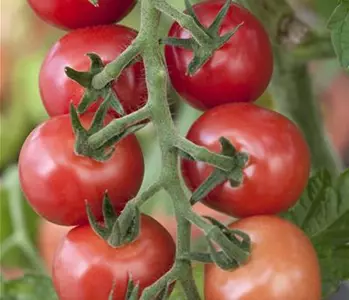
114,69
291,88
185,20
320,48
156,76
117,126
20,236
199,153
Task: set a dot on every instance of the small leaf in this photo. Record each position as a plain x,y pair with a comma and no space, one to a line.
108,212
215,26
101,231
339,26
82,78
216,178
191,12
29,287
115,102
96,63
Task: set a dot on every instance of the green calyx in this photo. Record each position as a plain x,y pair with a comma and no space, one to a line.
218,176
91,95
203,50
117,230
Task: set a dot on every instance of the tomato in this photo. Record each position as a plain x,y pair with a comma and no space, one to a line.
56,181
283,265
239,71
85,266
49,238
279,159
68,14
58,91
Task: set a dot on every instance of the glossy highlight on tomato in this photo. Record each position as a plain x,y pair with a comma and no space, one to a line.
279,159
283,265
239,71
58,91
73,14
57,182
85,266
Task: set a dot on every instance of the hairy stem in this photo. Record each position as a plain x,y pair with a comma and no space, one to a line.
156,76
117,126
186,21
114,69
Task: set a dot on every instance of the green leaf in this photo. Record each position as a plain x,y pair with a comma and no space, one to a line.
323,214
29,287
339,26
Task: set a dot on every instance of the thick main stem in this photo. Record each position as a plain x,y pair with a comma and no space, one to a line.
291,88
156,76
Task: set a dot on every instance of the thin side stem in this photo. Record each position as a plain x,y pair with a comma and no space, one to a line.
113,70
186,21
199,153
117,126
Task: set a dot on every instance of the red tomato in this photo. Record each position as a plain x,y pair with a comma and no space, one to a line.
49,238
279,159
85,266
283,265
239,71
73,14
57,90
56,181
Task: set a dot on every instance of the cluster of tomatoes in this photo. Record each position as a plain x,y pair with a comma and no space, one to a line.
56,181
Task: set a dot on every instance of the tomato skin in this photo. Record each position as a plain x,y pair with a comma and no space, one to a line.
279,159
68,14
283,265
50,236
56,181
85,266
239,71
58,91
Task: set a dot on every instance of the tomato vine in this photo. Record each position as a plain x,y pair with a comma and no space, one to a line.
290,86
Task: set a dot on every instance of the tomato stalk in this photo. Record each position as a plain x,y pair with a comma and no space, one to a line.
172,144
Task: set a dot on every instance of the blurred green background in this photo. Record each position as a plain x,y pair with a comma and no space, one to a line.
24,42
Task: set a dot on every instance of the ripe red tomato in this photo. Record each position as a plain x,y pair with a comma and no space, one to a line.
283,265
68,14
56,181
239,71
57,90
279,159
85,266
49,238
